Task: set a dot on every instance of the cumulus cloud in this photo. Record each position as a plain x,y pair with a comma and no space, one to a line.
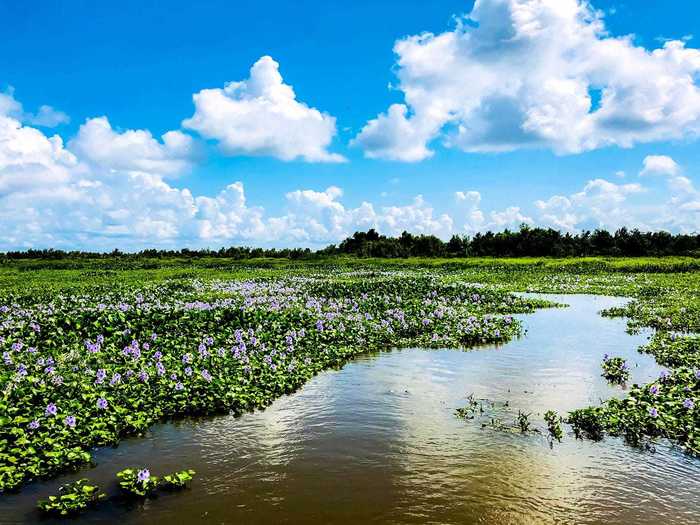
534,73
132,150
28,158
110,189
262,116
321,217
46,116
605,204
659,165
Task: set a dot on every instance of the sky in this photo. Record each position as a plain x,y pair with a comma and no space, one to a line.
295,123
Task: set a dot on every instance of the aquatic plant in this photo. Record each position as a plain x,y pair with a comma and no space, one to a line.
71,499
84,370
523,422
177,480
554,421
137,482
469,411
615,369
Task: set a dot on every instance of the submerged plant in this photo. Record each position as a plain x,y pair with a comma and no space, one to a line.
615,369
72,498
137,482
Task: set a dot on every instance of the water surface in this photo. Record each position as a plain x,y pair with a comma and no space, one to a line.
378,442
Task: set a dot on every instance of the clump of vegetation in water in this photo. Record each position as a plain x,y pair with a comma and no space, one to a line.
177,480
94,350
615,369
470,410
71,499
137,482
674,350
554,421
523,422
666,408
586,423
85,369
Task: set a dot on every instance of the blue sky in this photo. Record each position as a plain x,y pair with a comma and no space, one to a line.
139,64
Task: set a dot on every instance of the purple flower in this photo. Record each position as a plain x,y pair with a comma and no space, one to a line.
319,325
187,358
179,386
34,425
143,475
51,409
188,371
654,389
116,379
689,404
206,375
154,336
653,412
102,403
158,356
70,421
160,369
101,375
143,376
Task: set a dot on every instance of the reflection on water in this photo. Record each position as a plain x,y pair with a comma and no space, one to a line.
378,442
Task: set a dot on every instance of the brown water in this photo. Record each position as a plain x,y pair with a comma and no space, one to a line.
378,442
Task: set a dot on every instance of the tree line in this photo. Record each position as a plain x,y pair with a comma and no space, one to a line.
525,242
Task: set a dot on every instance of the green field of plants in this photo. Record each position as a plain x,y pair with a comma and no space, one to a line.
97,350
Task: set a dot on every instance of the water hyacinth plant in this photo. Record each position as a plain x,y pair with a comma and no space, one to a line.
177,480
71,499
615,369
137,482
90,359
138,355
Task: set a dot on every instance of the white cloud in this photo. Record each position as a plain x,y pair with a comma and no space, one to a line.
47,116
510,218
534,73
392,136
320,217
262,116
28,158
659,165
87,196
604,204
108,189
132,150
